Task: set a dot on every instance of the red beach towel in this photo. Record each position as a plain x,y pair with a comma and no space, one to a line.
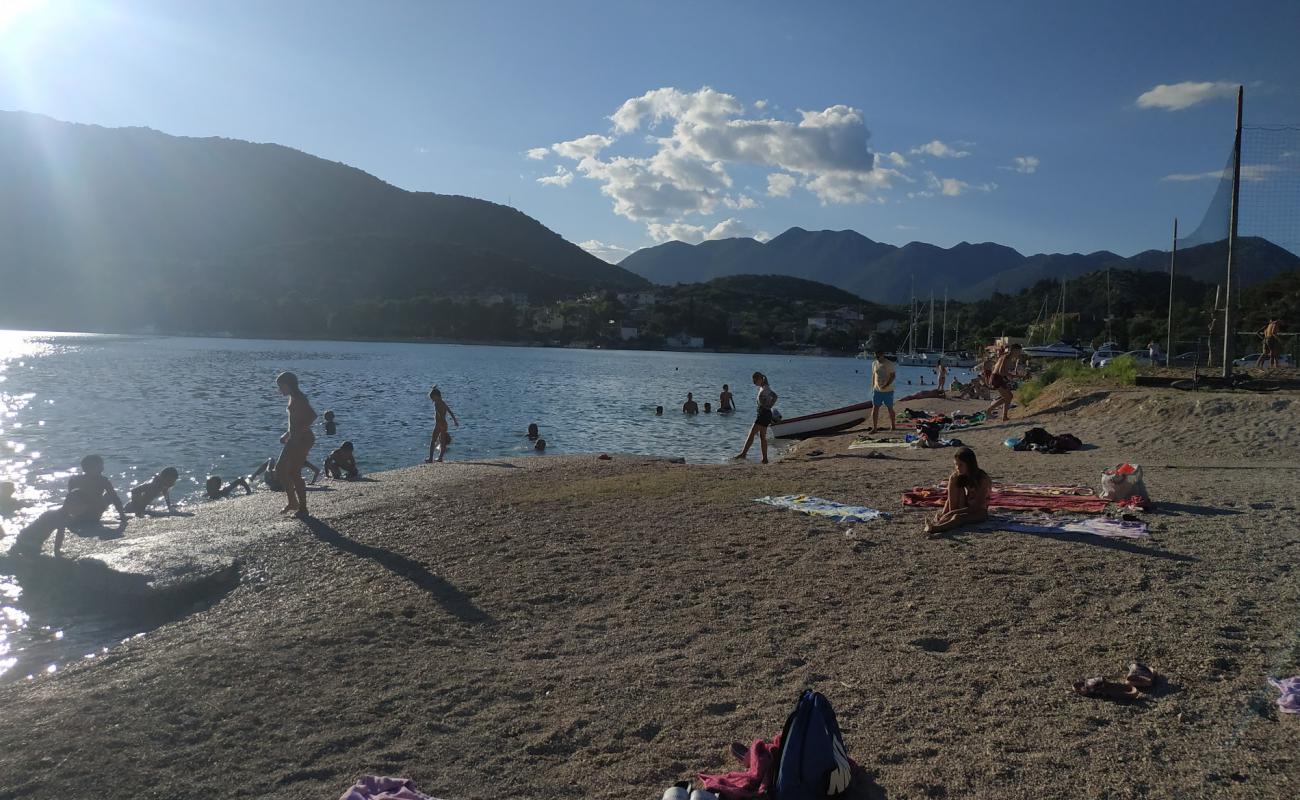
753,781
1036,497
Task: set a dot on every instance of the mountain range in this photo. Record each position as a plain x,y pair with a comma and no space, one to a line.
885,273
109,224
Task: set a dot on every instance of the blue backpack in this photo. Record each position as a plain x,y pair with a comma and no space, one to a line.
813,763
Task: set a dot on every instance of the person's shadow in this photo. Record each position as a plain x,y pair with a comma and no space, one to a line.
453,600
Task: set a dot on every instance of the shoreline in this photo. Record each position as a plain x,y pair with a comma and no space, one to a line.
538,627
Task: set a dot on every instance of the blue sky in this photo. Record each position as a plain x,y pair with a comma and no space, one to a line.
858,109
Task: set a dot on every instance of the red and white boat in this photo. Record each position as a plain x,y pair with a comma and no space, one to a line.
836,419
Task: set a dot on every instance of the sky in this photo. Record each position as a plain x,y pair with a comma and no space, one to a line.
1046,126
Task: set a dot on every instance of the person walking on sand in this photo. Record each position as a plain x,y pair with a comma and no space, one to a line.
969,488
882,390
297,441
942,371
1003,368
766,402
441,437
1272,348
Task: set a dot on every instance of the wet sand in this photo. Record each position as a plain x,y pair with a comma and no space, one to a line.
565,627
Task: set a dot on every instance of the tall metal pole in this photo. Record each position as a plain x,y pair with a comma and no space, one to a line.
943,346
1169,326
1232,240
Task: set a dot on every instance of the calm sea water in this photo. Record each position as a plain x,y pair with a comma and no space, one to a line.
210,406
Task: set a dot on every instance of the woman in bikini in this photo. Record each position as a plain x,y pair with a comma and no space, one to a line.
969,488
999,379
764,419
297,443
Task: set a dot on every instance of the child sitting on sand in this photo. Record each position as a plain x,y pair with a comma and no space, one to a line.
217,492
159,486
55,521
969,488
99,490
342,463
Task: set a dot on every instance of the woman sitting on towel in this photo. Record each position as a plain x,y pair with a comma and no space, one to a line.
969,488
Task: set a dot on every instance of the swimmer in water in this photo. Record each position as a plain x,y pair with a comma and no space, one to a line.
215,491
533,432
690,406
726,403
331,427
659,411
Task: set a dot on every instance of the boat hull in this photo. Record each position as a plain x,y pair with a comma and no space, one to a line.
836,419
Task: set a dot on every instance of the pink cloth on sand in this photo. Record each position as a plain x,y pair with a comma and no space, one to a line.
752,782
373,787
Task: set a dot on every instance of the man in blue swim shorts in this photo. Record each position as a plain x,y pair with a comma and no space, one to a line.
882,390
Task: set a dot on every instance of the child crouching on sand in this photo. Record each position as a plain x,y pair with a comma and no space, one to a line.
969,488
342,463
147,493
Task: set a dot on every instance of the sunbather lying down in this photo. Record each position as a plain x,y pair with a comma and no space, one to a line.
969,488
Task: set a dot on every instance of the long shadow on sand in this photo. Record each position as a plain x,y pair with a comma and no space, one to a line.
1122,545
500,464
1199,511
453,600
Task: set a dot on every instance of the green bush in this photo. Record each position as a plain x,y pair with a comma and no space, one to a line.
1119,371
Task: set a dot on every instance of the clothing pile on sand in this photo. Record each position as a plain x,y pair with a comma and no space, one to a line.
1039,440
374,787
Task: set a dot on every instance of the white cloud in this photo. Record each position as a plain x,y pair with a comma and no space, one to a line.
780,184
743,201
951,187
760,104
730,228
537,153
582,147
1177,96
604,251
938,149
1027,165
903,227
1249,172
562,177
896,158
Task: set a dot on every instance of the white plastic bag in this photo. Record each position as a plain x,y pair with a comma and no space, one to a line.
1122,482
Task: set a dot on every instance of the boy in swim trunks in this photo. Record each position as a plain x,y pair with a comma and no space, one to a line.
441,437
342,463
882,390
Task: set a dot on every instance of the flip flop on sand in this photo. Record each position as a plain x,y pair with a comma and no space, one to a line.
1140,676
1103,689
740,752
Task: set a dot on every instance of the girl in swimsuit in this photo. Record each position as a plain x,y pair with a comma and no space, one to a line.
969,488
766,401
297,443
1000,381
441,437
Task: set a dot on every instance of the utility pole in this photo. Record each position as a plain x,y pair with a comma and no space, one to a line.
1169,325
1232,240
929,339
943,346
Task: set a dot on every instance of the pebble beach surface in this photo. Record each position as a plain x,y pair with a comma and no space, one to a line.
575,627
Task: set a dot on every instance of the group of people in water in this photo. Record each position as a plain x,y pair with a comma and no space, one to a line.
764,418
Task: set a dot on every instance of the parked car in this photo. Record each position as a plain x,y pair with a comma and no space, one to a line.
1192,359
1142,357
1102,354
1252,359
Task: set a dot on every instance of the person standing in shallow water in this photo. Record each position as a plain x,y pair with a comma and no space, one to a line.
297,443
766,401
441,437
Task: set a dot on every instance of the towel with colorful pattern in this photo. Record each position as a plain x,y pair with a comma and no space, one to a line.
1026,496
818,507
1093,526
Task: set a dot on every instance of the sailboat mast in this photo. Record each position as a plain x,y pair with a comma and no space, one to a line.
943,345
929,340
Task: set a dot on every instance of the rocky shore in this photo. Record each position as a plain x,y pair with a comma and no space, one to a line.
573,627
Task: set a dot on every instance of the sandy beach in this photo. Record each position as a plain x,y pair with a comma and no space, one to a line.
573,627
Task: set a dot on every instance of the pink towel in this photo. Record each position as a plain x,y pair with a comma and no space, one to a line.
373,787
753,781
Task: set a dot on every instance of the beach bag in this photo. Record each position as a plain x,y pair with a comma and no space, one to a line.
812,763
1123,482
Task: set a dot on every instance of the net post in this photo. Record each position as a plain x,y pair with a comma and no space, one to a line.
1169,324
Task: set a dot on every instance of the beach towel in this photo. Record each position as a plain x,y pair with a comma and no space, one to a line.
373,787
751,782
1030,497
864,443
1289,701
828,509
1093,526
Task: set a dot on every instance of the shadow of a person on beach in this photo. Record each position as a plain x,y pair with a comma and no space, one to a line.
501,464
1200,511
1123,545
453,600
